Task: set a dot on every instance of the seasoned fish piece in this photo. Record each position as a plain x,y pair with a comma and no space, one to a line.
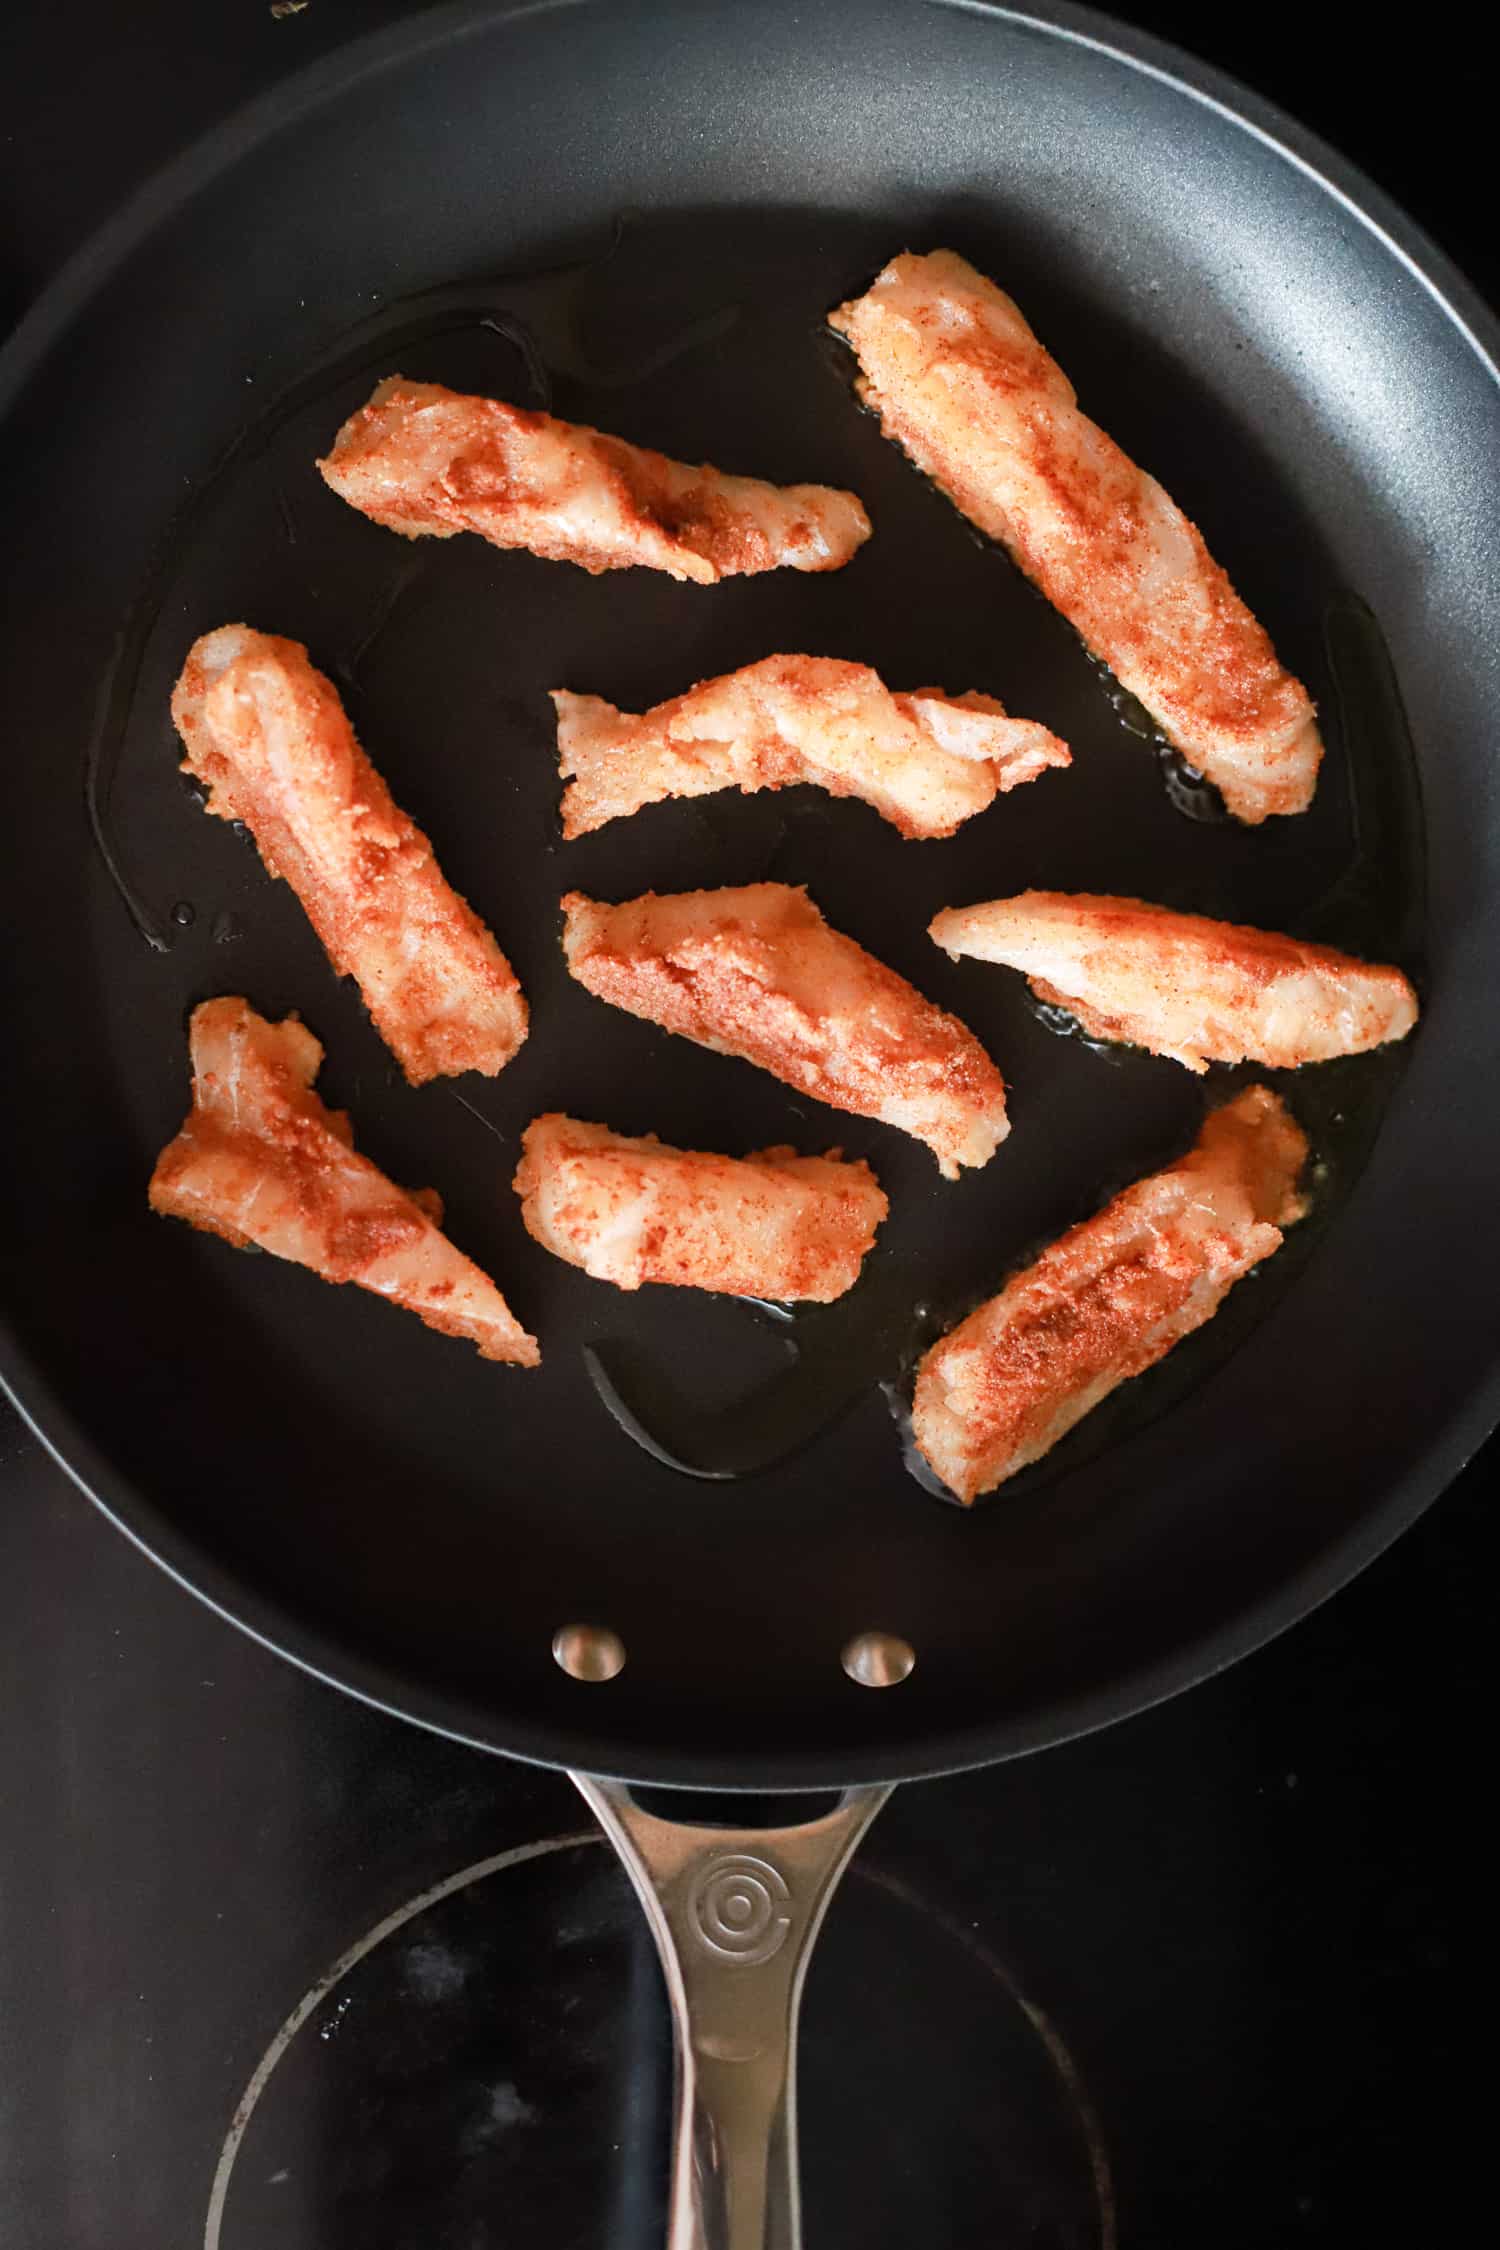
260,1160
774,1224
269,736
926,761
1184,986
1109,1298
419,458
758,972
959,380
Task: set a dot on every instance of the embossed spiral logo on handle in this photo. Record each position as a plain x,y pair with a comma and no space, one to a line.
739,1908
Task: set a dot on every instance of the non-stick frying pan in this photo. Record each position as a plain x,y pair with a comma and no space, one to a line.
642,213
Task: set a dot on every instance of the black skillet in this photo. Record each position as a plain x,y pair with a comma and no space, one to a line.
642,213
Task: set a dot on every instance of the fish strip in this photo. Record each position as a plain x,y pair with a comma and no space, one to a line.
1196,990
757,972
1109,1298
961,383
926,761
261,1161
423,460
774,1224
268,735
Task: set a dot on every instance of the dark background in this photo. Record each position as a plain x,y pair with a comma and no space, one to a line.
95,94
1259,1913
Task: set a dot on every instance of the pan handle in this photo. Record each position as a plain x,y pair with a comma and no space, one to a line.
734,1913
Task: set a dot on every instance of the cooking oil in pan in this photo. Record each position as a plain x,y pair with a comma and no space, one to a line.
875,1336
533,324
833,1356
522,337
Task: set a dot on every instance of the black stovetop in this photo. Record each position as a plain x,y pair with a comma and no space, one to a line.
1212,1966
1250,1920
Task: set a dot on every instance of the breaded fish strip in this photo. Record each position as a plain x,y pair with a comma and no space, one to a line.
757,972
959,380
260,1160
421,459
774,1224
1184,986
1108,1299
926,761
269,736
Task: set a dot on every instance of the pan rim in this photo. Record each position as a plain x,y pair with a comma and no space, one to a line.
106,249
949,1750
337,1662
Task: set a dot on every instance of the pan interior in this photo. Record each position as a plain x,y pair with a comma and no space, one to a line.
406,1515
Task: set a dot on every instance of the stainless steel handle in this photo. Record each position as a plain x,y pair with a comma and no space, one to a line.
734,1912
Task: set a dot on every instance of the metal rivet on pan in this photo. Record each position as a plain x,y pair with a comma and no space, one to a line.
878,1659
588,1652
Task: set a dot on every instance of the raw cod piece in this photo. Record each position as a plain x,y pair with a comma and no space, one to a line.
961,383
1109,1298
1182,985
268,735
261,1160
926,761
421,459
757,972
631,1210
